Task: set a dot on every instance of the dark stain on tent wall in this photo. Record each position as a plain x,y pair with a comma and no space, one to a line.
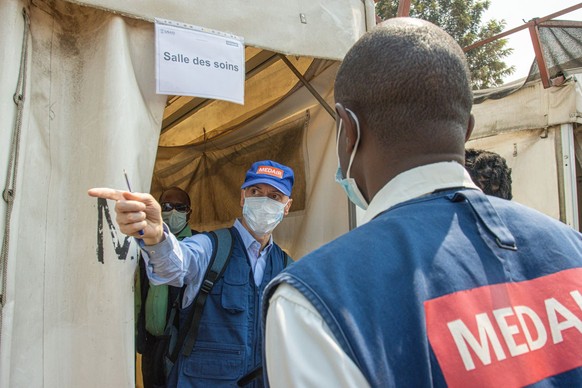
120,250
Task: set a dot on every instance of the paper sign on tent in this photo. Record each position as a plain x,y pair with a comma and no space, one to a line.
194,61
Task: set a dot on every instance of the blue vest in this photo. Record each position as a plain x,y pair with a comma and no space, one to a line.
229,338
449,290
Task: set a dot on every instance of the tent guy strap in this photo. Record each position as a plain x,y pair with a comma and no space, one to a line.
9,192
309,87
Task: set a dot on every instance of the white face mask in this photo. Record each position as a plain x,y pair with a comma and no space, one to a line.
349,184
263,214
175,220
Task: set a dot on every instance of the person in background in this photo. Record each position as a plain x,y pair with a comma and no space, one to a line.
155,301
489,171
229,341
440,285
176,211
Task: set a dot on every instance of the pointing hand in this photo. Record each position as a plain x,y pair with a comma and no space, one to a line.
135,212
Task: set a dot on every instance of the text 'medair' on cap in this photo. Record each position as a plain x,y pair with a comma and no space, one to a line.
271,173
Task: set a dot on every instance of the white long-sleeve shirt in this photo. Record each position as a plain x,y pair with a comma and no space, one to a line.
300,350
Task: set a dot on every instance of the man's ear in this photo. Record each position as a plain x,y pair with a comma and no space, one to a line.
287,207
470,126
349,130
242,197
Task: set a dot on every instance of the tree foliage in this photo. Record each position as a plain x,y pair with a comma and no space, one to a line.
462,19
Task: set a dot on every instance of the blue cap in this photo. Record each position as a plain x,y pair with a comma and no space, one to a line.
271,173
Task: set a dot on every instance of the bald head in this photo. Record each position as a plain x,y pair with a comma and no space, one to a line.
407,80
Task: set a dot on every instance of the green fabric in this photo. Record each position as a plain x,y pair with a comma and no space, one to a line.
156,305
186,232
156,309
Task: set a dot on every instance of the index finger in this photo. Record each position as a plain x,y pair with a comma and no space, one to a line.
104,192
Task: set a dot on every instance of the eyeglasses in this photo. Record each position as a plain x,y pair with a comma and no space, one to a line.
168,206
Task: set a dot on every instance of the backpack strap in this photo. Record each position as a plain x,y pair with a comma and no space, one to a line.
288,259
142,283
223,242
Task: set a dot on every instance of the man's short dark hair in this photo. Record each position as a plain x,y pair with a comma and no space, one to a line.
490,172
404,72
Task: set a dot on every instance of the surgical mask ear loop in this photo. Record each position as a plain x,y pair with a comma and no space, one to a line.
355,145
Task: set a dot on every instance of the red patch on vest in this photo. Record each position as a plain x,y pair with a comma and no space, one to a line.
510,334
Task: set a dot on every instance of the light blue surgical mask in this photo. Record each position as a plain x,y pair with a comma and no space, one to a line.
349,184
175,220
263,214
